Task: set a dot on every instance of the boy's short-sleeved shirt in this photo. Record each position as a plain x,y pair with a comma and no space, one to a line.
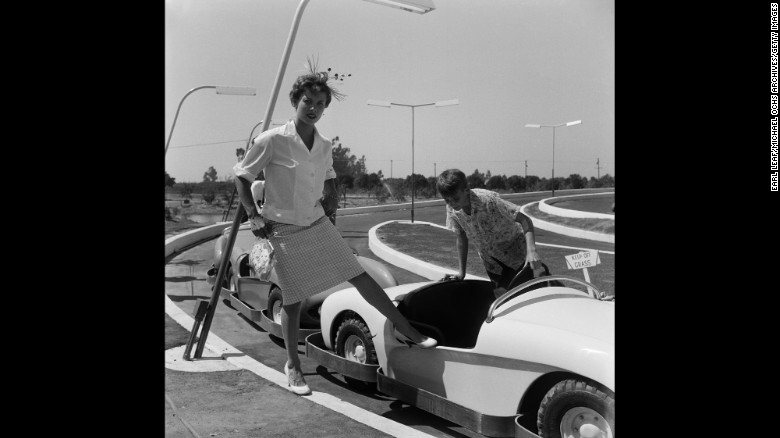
493,229
294,176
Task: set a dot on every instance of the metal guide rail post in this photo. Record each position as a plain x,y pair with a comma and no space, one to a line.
217,286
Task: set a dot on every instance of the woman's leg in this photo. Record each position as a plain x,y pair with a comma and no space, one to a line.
375,296
291,316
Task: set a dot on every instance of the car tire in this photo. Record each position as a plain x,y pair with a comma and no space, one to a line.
354,342
577,407
275,305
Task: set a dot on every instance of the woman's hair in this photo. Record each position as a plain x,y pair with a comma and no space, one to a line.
314,82
450,182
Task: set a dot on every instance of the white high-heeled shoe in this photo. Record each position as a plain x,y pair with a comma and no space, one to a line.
426,342
300,390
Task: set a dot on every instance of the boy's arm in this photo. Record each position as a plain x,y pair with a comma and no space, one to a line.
463,252
530,243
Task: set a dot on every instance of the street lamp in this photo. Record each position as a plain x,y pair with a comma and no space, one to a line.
576,122
416,6
437,104
238,91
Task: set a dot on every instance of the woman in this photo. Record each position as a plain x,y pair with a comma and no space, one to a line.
310,255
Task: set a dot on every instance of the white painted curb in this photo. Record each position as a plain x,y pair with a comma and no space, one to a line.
187,239
568,231
545,206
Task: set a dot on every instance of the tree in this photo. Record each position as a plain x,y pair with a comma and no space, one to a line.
607,180
345,182
496,182
532,183
575,181
210,175
476,180
209,196
430,192
169,182
359,168
368,181
396,188
240,152
186,190
420,182
516,183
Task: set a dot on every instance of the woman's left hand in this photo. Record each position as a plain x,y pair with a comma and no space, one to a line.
330,203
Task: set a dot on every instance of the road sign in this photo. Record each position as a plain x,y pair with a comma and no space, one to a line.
583,260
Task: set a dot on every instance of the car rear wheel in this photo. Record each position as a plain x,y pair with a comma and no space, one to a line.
577,408
275,305
355,343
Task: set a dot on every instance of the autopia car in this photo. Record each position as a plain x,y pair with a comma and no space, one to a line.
534,362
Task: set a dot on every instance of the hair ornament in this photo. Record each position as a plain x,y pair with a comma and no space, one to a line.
327,77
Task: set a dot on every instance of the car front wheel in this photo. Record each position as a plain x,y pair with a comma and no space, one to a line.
355,343
577,408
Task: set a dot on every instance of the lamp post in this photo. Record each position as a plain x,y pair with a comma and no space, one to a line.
576,122
389,104
416,6
237,91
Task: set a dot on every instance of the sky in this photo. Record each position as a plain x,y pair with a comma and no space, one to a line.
508,63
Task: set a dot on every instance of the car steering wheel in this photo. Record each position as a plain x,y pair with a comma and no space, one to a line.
525,274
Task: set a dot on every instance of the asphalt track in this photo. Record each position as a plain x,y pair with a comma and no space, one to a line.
203,403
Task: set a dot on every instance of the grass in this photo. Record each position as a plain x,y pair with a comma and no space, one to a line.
438,246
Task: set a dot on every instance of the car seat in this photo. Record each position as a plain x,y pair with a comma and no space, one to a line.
456,309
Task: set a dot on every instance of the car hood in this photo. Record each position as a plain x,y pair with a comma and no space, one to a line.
563,309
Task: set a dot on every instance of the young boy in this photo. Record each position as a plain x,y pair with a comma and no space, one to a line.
503,235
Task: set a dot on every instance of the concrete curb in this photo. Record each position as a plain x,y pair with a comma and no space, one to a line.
567,231
180,242
419,267
545,206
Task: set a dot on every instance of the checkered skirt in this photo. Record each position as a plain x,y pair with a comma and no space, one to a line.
310,259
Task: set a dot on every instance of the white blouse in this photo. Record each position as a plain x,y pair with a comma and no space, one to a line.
294,176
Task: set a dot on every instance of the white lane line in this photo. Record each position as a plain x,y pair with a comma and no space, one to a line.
218,346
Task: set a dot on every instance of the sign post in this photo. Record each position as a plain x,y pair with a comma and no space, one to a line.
583,260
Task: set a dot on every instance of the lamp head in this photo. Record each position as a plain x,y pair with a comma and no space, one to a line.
416,6
243,91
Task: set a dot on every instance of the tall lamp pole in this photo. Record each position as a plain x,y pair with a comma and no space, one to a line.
416,6
389,104
238,91
576,122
